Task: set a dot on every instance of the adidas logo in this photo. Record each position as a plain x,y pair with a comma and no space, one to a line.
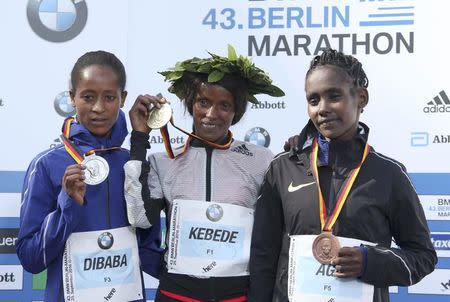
440,103
242,149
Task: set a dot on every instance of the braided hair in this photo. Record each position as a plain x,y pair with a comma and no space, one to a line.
346,62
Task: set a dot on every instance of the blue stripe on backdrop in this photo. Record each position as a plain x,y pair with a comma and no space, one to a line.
11,181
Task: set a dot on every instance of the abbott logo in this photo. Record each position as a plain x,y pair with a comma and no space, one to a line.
57,20
439,104
11,277
419,139
266,105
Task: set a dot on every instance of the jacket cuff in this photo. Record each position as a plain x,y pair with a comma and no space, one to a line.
70,209
139,145
363,250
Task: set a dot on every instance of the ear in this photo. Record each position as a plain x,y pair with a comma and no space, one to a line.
72,97
363,96
124,96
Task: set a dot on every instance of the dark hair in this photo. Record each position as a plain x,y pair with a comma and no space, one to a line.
234,84
346,62
102,58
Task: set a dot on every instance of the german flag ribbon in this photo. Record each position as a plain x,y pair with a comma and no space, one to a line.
72,149
326,223
166,139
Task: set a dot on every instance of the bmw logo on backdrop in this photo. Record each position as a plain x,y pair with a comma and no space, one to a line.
57,20
63,105
258,136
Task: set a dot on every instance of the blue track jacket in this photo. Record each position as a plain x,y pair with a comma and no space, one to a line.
48,215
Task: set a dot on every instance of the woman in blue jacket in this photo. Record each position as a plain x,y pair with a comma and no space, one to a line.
73,219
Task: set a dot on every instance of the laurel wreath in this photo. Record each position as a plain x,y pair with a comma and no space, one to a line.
258,82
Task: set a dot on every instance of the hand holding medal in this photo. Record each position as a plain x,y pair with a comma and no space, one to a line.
159,116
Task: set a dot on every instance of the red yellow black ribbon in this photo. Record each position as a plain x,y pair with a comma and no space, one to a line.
72,149
327,224
166,139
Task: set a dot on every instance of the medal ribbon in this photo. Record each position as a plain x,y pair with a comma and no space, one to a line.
73,150
327,224
166,139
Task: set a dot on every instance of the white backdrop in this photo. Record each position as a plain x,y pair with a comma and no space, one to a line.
401,43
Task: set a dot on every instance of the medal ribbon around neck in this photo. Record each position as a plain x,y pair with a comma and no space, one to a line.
73,150
327,224
166,139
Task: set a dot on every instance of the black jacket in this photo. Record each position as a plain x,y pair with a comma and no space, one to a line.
382,205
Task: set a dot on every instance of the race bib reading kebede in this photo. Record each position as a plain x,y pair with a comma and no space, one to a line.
209,239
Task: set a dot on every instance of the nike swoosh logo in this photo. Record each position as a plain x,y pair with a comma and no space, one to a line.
292,188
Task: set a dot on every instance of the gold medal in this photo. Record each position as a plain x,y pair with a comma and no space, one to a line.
159,117
325,247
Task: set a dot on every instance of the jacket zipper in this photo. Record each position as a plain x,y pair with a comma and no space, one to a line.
108,214
208,173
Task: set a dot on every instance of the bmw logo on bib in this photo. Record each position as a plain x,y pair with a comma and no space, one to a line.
214,212
105,240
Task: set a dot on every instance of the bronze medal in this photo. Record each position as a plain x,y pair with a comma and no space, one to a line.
325,247
159,117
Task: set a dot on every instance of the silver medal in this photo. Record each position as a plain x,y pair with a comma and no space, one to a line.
97,169
159,117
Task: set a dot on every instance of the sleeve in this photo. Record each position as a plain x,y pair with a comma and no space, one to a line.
266,241
150,251
415,258
46,220
143,211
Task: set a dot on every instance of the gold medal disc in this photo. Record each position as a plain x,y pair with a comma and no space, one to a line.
159,117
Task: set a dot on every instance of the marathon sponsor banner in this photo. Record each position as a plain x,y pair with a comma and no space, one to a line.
441,243
309,280
436,283
11,277
209,239
436,207
8,239
102,266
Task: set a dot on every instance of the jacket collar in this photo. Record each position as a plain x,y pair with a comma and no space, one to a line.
339,153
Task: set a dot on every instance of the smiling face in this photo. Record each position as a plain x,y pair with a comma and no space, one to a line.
97,99
213,112
334,102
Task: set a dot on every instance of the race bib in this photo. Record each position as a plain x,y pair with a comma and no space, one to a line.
102,266
309,280
209,239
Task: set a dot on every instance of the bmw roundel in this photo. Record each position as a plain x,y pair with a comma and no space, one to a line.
63,104
214,212
57,20
105,240
258,136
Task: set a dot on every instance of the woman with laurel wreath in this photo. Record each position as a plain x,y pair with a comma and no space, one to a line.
209,190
